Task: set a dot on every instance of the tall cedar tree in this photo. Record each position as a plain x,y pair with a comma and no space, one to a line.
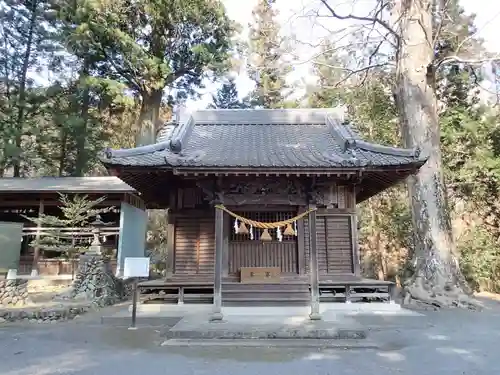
153,45
227,97
426,39
24,41
437,278
265,61
385,220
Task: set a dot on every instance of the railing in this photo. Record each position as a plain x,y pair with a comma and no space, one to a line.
81,232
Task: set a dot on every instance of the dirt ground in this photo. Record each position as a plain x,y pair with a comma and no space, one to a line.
452,342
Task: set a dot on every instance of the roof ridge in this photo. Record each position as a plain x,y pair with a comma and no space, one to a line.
388,150
136,151
349,140
177,139
180,135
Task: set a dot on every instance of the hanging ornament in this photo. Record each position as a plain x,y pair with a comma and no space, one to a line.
279,235
289,230
251,232
265,236
236,226
295,228
243,228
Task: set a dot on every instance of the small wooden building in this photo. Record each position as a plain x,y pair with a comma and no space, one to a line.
267,166
32,197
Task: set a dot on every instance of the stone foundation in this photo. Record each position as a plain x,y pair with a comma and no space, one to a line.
13,293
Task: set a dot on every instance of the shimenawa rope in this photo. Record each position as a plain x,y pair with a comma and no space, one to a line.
258,224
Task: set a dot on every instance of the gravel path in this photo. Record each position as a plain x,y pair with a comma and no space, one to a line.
449,342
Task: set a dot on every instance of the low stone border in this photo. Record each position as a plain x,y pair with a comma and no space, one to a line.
43,315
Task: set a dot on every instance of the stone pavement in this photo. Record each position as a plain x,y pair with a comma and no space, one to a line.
443,343
191,322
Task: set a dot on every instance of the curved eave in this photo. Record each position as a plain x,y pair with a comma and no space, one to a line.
158,160
374,182
407,168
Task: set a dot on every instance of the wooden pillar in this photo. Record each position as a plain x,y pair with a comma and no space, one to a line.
36,253
313,267
225,250
219,255
355,246
170,246
301,239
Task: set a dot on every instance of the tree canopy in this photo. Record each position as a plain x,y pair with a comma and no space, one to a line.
77,76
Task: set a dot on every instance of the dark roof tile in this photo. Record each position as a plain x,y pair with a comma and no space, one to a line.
262,138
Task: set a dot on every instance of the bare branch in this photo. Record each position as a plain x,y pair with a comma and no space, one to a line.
374,19
352,72
459,60
439,28
329,50
370,60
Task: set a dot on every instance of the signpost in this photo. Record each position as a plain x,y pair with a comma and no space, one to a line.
135,267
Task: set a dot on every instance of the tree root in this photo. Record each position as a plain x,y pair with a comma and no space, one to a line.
421,294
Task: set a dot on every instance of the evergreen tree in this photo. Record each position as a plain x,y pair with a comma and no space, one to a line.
77,212
152,45
266,66
227,97
25,39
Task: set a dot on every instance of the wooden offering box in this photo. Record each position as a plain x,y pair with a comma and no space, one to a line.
256,275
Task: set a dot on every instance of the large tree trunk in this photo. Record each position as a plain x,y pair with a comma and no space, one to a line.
437,279
63,153
81,136
149,117
22,88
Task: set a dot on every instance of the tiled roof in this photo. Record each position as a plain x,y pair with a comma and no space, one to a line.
104,184
290,138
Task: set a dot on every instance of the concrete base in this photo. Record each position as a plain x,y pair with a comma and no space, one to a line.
216,317
266,328
11,274
275,343
45,277
122,320
315,316
269,310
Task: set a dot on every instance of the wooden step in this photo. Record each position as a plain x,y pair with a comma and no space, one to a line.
264,299
266,287
275,301
282,294
263,295
273,291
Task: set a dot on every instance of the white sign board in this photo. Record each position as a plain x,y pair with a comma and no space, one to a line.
136,267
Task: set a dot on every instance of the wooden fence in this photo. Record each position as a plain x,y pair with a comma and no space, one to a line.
52,267
57,266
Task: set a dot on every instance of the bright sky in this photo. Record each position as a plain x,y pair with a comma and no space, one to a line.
487,11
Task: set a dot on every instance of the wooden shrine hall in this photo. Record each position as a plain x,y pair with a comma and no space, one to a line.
262,205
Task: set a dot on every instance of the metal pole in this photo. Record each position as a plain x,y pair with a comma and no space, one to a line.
134,304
